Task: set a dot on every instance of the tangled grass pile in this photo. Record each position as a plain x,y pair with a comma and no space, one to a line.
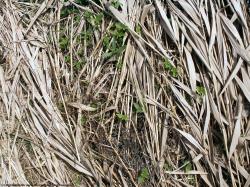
125,92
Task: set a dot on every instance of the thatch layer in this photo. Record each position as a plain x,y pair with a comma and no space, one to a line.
125,93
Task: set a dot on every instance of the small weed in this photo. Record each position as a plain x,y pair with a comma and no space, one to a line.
138,108
66,11
82,2
80,53
67,58
98,18
114,52
200,90
83,120
188,167
87,36
174,72
77,180
119,30
28,146
79,64
77,18
167,65
167,167
94,105
113,41
143,176
122,117
63,43
119,64
106,40
170,68
86,2
138,29
116,4
89,16
94,20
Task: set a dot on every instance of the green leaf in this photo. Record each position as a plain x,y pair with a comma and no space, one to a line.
107,55
200,90
120,26
82,2
138,29
122,117
116,4
174,72
167,167
113,52
98,18
188,166
63,42
83,120
87,36
120,50
89,16
106,41
79,64
67,58
66,11
138,108
119,64
167,65
143,176
113,40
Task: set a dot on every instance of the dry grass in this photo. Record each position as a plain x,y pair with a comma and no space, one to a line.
125,93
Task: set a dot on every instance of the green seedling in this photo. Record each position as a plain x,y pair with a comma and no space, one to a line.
83,120
79,64
138,108
170,68
113,41
138,29
119,64
86,2
106,40
77,181
167,167
94,105
122,117
89,16
87,35
114,52
68,10
28,146
94,20
200,90
143,176
82,2
116,4
77,18
98,18
167,65
67,58
188,167
64,43
119,30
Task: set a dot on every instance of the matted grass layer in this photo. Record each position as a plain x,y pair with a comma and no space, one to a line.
125,92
